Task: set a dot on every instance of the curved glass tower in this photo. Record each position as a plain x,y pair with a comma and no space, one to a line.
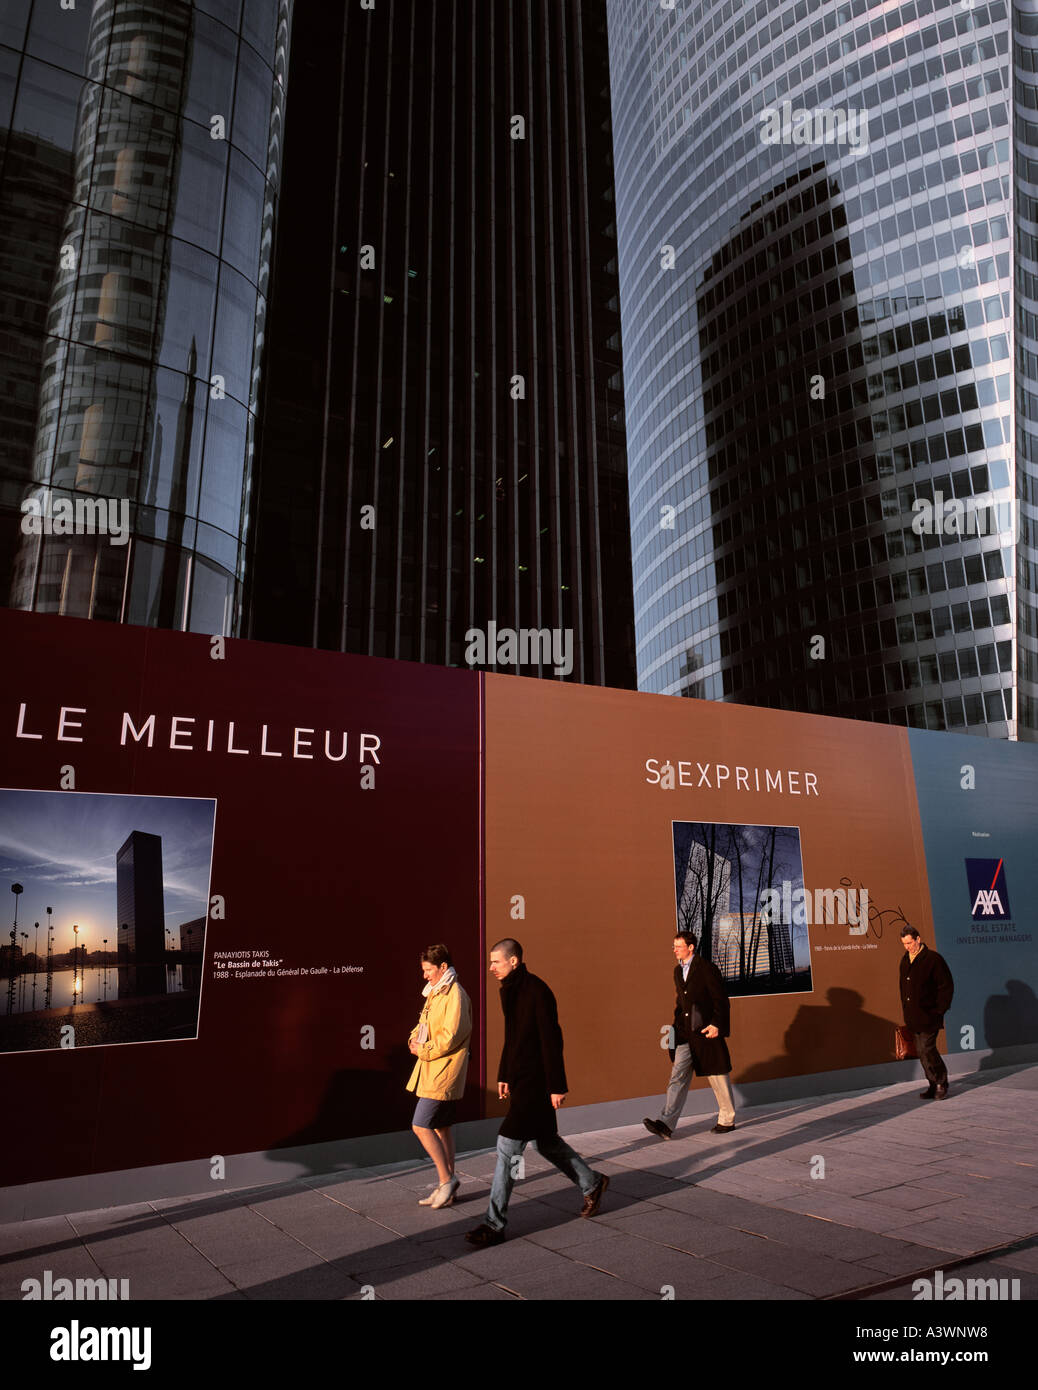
816,266
140,146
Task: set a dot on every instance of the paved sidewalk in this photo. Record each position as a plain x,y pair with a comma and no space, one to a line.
908,1187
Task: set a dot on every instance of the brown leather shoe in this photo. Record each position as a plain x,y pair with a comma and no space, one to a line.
942,1092
593,1198
485,1235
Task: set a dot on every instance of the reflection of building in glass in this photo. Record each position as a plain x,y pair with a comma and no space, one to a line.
37,176
748,944
149,353
1025,167
832,342
707,889
459,380
142,918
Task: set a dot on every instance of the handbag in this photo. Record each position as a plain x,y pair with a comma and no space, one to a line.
904,1044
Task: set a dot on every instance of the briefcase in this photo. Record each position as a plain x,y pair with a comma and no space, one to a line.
904,1044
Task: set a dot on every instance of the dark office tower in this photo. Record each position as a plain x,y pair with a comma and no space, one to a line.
814,217
192,936
141,154
142,915
442,428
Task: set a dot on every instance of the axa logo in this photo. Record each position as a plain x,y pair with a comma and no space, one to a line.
989,894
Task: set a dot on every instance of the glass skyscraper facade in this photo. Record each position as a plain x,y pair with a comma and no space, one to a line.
140,149
442,434
815,225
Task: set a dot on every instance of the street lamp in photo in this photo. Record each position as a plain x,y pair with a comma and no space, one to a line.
16,889
35,962
50,962
25,937
75,957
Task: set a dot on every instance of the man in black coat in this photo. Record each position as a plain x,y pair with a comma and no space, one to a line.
701,1024
926,994
532,1078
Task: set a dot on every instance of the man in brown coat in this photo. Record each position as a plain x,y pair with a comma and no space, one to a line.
701,1024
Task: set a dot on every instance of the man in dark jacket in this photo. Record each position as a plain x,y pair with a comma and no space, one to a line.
926,994
701,1024
532,1078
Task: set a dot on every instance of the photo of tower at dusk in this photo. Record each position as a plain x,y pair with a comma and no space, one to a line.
814,214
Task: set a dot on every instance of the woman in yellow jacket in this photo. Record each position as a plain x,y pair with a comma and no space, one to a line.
440,1042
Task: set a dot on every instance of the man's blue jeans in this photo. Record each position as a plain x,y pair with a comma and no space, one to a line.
555,1150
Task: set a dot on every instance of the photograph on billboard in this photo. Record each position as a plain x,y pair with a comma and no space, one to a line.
109,906
337,800
789,845
740,891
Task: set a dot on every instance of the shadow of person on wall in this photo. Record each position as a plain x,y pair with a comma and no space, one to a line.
356,1103
1010,1020
827,1037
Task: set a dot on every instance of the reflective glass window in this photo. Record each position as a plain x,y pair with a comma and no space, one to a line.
212,598
235,332
172,467
210,85
244,216
186,328
252,99
158,584
220,501
259,23
14,16
61,36
227,11
47,104
200,189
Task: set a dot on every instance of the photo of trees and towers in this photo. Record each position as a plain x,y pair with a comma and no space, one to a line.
721,873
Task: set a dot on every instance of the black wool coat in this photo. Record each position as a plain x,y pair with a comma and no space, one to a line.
702,1000
926,991
531,1059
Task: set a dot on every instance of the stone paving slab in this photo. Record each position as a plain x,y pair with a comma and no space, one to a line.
649,1266
808,1273
908,1188
902,1256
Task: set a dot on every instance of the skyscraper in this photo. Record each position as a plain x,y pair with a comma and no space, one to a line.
816,266
442,435
139,898
141,156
